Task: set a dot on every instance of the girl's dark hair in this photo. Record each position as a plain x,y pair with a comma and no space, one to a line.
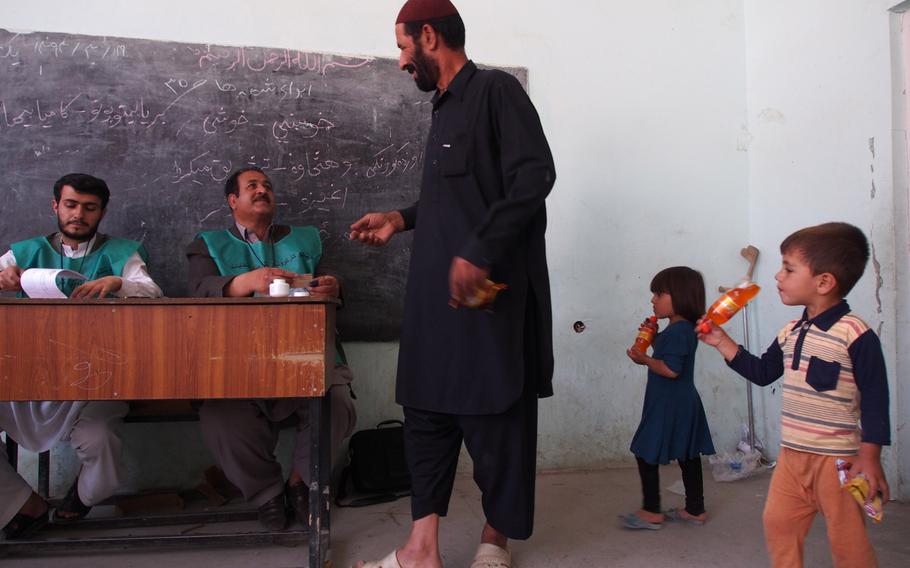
686,288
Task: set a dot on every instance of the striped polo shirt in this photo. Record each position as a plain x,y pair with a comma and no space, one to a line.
835,388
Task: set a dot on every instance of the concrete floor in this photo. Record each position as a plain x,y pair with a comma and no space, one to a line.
576,526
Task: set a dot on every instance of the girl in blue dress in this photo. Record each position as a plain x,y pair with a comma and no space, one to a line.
673,423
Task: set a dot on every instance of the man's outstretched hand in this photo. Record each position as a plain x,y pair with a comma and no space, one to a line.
375,229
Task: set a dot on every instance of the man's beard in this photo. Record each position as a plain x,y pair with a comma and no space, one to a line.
426,71
75,236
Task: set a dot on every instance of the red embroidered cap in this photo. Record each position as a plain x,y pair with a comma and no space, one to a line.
421,10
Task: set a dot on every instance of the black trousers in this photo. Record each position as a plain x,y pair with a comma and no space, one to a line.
692,480
503,448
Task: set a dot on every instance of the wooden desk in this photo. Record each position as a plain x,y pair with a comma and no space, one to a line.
194,348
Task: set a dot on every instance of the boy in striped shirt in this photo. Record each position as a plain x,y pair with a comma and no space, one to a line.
835,396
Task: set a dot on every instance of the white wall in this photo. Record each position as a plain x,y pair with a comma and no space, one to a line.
681,132
900,36
819,100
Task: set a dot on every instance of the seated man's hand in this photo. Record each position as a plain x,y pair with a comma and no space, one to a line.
326,285
98,288
9,279
256,281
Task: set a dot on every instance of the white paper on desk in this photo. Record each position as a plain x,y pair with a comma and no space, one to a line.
42,282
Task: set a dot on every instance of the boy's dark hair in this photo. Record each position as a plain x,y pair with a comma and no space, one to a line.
686,288
230,185
838,248
450,28
83,183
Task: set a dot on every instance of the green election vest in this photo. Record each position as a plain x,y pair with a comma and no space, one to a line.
106,260
299,251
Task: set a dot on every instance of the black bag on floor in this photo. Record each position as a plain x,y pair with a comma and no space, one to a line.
376,466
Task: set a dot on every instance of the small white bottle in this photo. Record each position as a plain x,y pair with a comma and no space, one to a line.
279,288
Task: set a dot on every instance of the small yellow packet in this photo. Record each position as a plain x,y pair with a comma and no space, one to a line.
859,488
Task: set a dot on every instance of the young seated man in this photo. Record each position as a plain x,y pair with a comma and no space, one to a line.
113,266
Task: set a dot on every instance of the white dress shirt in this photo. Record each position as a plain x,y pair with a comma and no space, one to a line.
136,280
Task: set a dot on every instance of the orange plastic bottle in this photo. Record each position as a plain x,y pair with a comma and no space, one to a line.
646,335
727,305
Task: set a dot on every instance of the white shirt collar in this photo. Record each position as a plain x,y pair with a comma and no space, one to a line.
81,249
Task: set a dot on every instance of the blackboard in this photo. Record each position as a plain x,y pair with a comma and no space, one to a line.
165,123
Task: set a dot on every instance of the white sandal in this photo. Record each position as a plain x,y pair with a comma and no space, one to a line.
492,556
390,561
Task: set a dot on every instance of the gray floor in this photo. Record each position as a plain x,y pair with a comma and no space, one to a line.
576,526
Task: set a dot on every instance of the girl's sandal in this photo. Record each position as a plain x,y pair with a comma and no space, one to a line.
634,522
677,515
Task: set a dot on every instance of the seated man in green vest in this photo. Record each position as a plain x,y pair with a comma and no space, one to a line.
243,261
113,266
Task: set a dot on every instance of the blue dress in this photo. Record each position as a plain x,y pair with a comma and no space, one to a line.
673,423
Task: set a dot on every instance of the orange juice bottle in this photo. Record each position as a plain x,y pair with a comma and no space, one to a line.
731,302
646,335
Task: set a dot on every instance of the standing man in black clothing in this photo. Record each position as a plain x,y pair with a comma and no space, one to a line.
464,374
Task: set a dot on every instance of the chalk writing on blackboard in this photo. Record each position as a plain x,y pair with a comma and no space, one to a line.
166,123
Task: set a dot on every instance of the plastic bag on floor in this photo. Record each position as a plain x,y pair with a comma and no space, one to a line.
736,465
743,445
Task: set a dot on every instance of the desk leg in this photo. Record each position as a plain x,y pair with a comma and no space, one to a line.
320,474
12,452
44,474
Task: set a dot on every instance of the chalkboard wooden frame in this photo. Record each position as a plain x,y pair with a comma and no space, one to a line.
165,123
